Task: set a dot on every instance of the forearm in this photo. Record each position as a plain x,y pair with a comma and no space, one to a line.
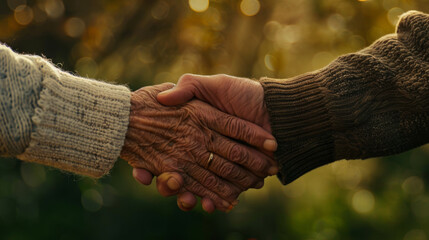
57,119
371,103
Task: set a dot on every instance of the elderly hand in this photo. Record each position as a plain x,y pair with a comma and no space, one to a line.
240,97
181,139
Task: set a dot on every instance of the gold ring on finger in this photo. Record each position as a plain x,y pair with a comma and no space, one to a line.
210,160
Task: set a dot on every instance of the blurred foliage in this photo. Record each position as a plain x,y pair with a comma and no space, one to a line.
141,43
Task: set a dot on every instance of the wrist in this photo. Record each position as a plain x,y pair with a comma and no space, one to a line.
300,122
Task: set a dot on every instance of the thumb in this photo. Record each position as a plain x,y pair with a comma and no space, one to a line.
177,95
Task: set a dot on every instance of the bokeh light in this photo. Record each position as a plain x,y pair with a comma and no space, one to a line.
86,67
413,185
74,27
23,14
199,5
363,201
250,7
160,10
54,8
393,15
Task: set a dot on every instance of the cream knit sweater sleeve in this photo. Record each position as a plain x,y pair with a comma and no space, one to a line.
54,118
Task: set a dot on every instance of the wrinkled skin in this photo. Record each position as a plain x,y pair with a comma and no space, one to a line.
178,140
240,97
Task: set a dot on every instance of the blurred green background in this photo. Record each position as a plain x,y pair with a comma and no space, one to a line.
141,43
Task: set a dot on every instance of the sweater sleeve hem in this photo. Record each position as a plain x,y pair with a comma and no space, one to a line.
79,124
300,122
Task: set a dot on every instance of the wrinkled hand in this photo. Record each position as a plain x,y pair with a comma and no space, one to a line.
240,97
179,140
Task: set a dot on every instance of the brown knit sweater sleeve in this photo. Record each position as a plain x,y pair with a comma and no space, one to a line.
371,103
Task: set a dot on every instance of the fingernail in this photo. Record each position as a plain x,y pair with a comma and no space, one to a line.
235,203
273,170
173,184
259,185
226,204
138,178
229,209
185,205
270,145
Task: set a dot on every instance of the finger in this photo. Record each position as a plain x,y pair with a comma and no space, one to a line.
142,176
186,201
232,172
185,90
190,86
196,188
159,88
176,96
169,183
237,128
208,205
215,184
247,157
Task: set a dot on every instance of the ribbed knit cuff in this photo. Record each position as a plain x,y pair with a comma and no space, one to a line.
79,124
300,122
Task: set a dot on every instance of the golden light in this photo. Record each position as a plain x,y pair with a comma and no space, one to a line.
23,14
87,67
54,8
199,5
250,7
269,61
363,201
74,27
393,15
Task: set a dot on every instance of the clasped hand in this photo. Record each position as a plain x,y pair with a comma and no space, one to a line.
195,149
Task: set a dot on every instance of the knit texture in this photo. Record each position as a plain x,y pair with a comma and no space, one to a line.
57,119
371,103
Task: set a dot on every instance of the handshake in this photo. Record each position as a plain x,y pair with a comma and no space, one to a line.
209,136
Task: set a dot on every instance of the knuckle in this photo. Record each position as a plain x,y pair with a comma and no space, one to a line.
235,174
227,170
248,181
236,154
185,78
248,133
258,165
231,123
210,181
229,193
221,76
232,195
195,188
